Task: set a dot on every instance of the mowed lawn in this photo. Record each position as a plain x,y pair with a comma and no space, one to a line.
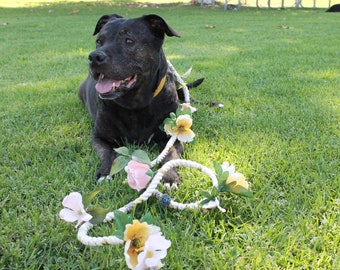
277,72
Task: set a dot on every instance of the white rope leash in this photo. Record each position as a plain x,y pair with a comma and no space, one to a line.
181,82
151,190
152,187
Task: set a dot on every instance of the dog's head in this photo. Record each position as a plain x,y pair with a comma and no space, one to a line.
128,63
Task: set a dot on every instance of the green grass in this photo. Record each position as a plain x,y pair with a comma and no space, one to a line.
277,72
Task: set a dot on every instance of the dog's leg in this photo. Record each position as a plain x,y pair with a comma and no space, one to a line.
172,177
107,155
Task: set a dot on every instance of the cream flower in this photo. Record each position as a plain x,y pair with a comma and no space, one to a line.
135,235
239,179
234,176
74,210
155,250
137,177
182,129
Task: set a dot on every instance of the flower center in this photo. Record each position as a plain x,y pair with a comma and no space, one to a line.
181,128
137,245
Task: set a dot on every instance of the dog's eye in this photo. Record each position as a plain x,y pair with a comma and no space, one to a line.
99,42
129,41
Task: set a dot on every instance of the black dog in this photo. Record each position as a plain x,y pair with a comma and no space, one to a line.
129,90
334,8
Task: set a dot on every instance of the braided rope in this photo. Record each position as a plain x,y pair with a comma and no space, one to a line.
165,151
181,82
151,190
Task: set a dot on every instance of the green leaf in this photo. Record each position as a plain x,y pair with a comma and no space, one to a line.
121,219
179,111
185,111
224,187
119,164
218,169
141,156
148,218
205,194
173,116
122,151
168,121
223,176
214,192
205,201
88,198
98,215
150,173
239,190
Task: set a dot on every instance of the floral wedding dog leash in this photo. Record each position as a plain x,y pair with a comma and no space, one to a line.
144,244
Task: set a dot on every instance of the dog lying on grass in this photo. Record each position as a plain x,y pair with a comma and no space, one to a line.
130,90
334,8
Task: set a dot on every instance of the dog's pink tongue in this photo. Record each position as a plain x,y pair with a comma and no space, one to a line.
104,86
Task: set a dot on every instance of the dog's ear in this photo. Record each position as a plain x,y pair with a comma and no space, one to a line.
103,20
159,26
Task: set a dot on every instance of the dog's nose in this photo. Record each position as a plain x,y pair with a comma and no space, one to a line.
97,57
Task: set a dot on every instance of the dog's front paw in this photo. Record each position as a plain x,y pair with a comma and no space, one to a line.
171,179
104,178
104,172
101,175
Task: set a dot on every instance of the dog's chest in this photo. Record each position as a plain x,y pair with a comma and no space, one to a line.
128,125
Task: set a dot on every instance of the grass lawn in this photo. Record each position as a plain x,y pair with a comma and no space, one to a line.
276,71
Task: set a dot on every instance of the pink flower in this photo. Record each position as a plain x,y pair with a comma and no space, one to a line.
188,106
74,210
137,177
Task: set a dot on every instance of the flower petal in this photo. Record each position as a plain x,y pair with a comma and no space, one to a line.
137,175
169,131
238,177
74,201
186,135
68,215
226,167
157,241
184,120
188,106
131,261
153,263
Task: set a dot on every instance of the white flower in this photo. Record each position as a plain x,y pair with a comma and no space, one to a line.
155,250
74,210
145,246
228,168
213,204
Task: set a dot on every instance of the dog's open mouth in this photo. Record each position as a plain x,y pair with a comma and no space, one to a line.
106,85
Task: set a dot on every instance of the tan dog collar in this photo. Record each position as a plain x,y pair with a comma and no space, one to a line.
160,86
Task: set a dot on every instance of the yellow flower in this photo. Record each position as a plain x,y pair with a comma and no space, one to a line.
182,129
135,236
239,179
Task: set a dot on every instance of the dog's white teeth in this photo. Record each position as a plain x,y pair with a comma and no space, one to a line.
113,85
101,76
